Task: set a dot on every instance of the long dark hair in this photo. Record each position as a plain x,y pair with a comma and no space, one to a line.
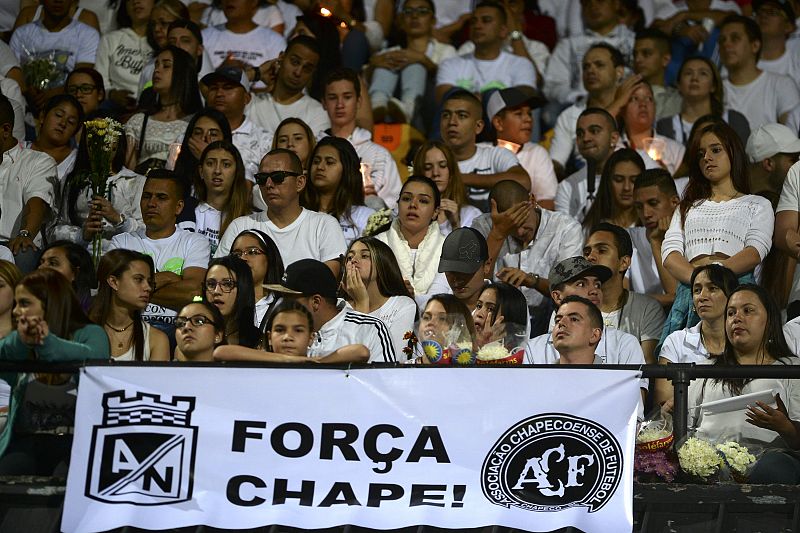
387,272
62,311
275,266
699,188
183,88
720,276
115,263
773,341
245,304
455,189
239,201
350,190
511,303
81,263
187,166
604,207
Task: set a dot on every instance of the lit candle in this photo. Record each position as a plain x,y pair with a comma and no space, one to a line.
654,147
366,177
325,12
508,145
172,158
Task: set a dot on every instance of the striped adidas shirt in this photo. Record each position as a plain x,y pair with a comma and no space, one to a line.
351,327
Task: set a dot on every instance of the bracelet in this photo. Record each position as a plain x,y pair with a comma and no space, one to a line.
24,234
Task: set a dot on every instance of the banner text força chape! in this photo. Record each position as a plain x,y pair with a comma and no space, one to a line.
381,444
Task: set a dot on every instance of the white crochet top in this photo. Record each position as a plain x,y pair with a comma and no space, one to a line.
721,228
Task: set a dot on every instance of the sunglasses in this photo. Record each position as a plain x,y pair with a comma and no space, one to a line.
277,176
196,320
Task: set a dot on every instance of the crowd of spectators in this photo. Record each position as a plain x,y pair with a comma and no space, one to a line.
588,181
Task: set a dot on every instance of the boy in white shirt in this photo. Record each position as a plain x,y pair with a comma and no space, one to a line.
481,166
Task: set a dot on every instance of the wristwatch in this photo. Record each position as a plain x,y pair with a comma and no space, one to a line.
24,233
515,35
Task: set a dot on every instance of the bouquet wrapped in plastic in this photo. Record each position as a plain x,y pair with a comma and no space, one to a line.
715,461
446,341
45,70
654,459
509,350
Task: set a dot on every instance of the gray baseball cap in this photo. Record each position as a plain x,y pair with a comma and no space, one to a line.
575,267
464,251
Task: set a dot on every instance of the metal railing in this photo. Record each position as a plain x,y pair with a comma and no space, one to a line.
680,374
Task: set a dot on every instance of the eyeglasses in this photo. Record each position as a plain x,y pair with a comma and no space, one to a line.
225,285
196,320
277,176
249,252
420,11
83,89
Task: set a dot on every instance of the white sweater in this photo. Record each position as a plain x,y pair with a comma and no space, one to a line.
721,228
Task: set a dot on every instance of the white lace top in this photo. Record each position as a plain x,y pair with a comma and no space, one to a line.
157,136
721,228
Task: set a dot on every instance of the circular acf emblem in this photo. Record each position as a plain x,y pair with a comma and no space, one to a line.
553,461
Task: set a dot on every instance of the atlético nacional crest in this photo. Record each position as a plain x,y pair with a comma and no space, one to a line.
144,451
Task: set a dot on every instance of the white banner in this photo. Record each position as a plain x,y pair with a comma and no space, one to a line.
239,448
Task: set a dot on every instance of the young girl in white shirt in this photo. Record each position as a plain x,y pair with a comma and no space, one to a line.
717,222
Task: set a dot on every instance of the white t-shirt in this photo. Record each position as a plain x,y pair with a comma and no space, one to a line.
24,174
790,201
267,16
572,197
788,64
643,273
399,314
562,145
476,75
75,43
537,163
685,346
312,235
8,59
487,159
181,250
466,215
354,224
252,48
763,100
207,221
352,327
537,50
121,56
253,144
267,113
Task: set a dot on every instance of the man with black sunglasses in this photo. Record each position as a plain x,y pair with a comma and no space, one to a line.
298,232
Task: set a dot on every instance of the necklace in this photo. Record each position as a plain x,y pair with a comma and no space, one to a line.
120,344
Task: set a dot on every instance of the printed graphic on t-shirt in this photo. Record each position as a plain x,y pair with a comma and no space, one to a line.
131,59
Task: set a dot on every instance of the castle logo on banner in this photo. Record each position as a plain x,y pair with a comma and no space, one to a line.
144,451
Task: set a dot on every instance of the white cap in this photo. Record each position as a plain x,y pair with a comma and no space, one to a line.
769,140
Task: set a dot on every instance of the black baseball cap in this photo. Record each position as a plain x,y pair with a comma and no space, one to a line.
228,73
307,277
513,97
464,250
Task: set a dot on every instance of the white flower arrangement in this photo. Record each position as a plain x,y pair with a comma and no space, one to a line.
494,351
378,221
736,456
699,458
652,434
